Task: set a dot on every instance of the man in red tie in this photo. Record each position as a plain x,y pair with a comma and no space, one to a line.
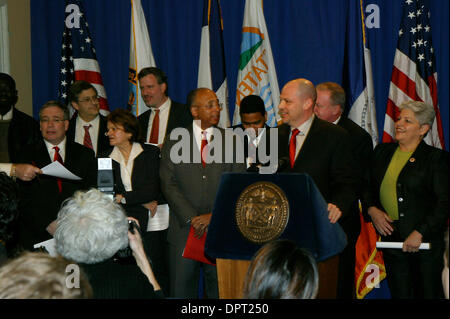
190,188
43,196
316,147
164,114
88,128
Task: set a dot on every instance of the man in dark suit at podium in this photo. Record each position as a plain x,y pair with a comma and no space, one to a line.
254,116
190,188
329,107
316,147
41,198
88,128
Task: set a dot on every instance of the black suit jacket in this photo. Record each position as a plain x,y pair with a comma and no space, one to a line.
144,181
23,130
362,151
102,141
326,157
179,116
422,189
41,199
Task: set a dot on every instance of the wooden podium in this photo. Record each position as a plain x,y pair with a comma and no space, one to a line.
308,226
231,276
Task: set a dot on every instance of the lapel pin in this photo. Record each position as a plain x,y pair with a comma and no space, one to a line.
412,159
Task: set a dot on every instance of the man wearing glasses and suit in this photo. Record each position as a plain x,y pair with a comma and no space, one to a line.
88,128
190,188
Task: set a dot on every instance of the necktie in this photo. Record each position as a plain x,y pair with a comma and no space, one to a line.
87,137
57,157
292,146
203,148
155,129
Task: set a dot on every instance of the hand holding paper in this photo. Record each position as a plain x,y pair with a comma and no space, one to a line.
56,169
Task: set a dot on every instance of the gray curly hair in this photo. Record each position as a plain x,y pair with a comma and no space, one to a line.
91,227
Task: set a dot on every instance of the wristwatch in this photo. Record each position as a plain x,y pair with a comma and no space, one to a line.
123,200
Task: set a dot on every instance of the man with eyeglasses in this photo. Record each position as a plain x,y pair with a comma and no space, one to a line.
17,129
190,189
88,128
42,197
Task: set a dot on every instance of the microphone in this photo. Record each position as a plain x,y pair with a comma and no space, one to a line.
283,162
105,176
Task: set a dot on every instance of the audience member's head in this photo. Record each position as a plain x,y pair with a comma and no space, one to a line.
91,228
9,201
41,276
281,270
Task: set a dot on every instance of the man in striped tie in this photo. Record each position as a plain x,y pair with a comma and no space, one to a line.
88,128
42,197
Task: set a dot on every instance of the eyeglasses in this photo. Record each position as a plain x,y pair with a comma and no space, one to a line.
47,120
212,105
93,99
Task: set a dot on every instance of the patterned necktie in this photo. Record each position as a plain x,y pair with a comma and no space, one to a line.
204,148
87,137
155,129
292,146
57,157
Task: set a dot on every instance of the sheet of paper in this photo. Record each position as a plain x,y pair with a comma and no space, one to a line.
58,170
49,245
161,219
399,245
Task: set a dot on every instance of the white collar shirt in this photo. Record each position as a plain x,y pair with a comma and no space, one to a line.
62,149
93,131
164,111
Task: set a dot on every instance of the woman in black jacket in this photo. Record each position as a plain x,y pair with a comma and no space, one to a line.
408,202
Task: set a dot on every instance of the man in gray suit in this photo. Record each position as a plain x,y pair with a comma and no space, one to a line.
190,188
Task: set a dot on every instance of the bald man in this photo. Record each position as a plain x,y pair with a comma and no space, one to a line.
319,149
190,189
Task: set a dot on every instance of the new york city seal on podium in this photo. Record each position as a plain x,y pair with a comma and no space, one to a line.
262,212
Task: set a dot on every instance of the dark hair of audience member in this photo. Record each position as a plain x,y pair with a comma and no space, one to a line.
281,270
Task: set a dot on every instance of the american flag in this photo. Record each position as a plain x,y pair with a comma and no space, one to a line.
414,75
78,58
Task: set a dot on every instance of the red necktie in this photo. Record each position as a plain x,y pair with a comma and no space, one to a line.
87,137
203,148
57,157
292,146
155,129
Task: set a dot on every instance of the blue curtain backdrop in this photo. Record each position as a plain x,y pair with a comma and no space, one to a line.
307,38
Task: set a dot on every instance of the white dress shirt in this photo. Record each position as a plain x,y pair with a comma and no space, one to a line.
300,138
164,111
62,149
126,168
8,116
198,134
93,131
